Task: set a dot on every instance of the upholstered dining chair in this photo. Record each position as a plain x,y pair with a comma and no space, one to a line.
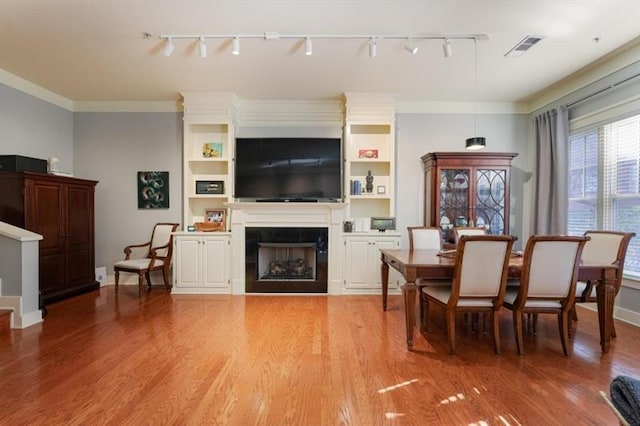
547,283
604,247
156,255
459,231
479,283
425,238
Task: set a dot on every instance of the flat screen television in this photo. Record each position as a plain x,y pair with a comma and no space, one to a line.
288,169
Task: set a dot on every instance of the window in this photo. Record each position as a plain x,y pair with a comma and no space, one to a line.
604,182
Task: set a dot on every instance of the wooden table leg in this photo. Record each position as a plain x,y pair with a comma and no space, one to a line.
409,291
606,294
384,271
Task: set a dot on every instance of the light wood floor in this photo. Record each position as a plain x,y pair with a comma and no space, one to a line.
286,360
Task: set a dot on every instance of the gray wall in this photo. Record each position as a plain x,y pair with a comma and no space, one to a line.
111,148
418,134
35,128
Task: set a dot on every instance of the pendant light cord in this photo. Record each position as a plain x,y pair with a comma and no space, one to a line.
475,89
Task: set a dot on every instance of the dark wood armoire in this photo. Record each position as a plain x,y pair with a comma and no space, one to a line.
61,209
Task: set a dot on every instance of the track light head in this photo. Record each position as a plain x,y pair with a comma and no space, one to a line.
446,48
169,48
411,48
373,47
235,46
202,46
308,47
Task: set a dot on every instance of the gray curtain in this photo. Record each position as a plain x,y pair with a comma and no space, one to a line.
551,193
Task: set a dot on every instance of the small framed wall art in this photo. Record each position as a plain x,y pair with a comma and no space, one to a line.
153,190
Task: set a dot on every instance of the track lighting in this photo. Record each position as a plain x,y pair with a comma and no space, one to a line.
373,47
169,48
446,48
202,47
235,47
411,48
308,48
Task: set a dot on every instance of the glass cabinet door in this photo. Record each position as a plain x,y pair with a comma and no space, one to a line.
490,199
454,195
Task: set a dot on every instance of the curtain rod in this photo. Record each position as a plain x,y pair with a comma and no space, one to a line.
601,91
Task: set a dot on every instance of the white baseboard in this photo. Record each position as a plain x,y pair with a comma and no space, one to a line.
18,320
622,314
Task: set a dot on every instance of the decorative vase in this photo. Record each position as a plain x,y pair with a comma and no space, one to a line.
369,179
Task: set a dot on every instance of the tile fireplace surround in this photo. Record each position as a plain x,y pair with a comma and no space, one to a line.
283,215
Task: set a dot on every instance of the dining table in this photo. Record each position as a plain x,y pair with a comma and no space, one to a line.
438,264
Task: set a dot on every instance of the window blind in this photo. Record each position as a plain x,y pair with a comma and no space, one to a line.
604,180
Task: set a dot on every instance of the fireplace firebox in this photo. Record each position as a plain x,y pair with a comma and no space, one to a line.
286,260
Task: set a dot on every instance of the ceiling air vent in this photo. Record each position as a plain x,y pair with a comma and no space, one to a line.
525,44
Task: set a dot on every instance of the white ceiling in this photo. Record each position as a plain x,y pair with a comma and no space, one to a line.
94,50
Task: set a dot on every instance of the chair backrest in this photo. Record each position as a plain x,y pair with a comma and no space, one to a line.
550,268
462,230
424,237
606,247
161,237
482,263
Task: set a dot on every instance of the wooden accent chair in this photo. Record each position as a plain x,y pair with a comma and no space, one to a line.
157,256
479,283
547,283
604,247
459,231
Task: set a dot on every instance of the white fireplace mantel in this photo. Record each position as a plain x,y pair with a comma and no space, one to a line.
293,214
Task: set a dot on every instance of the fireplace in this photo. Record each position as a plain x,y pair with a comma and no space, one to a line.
286,260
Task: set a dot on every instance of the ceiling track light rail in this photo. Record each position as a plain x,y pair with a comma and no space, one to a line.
307,39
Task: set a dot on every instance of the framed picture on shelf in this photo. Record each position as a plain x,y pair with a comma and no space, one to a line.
382,189
215,215
212,150
367,153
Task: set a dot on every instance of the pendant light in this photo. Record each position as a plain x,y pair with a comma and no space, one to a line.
477,142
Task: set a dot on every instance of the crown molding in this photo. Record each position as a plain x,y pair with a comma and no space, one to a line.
34,90
430,107
127,106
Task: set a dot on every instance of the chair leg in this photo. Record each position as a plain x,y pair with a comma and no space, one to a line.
117,280
613,329
425,312
147,275
496,330
451,331
165,276
535,324
517,328
140,282
563,319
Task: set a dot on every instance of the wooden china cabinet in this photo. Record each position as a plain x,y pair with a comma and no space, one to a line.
61,209
467,187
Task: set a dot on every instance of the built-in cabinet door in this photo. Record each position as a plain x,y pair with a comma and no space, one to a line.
215,267
187,261
357,269
376,263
